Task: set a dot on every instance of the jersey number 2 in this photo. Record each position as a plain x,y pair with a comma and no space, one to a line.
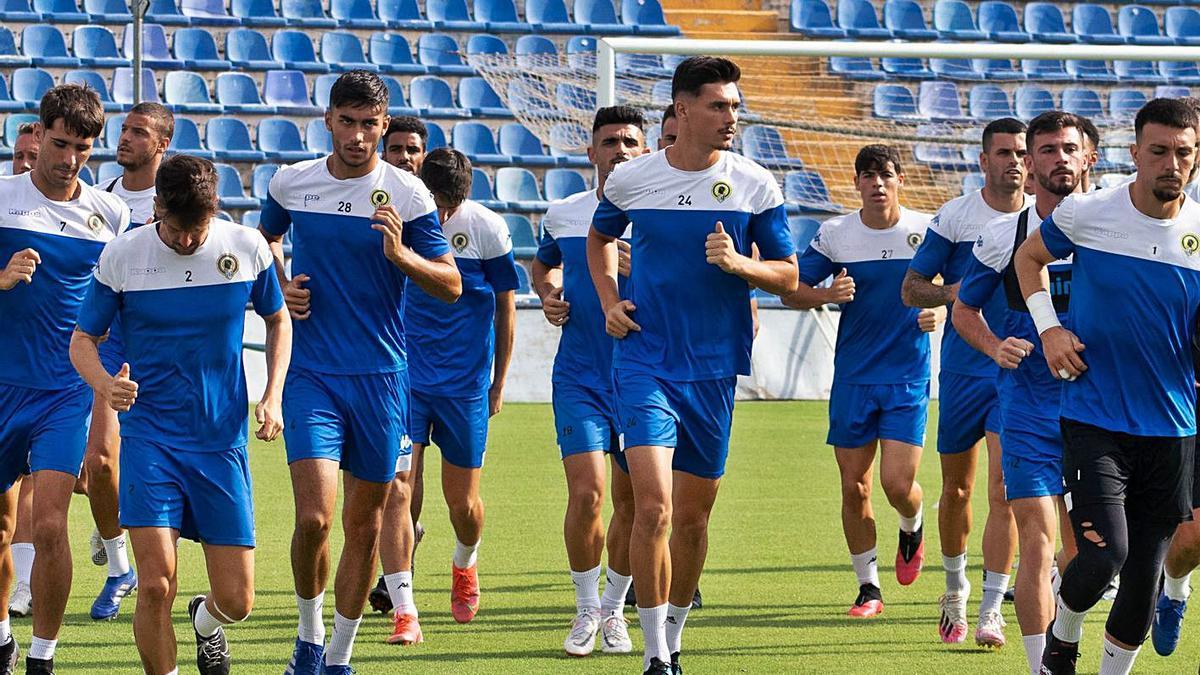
187,276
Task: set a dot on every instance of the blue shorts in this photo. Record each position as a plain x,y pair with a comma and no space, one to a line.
359,421
695,418
585,420
969,407
42,429
863,413
1032,461
458,426
206,496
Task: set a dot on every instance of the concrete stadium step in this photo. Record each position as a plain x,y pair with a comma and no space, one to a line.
724,20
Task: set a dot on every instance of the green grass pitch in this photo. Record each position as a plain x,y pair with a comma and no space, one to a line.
777,584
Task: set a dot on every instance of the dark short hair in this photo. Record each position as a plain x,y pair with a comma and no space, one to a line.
1090,131
1170,112
1057,120
668,112
27,128
187,188
77,105
159,113
1004,125
447,174
696,71
407,124
1192,101
875,157
618,114
359,89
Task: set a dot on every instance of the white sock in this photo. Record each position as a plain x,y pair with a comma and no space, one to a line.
1116,660
5,631
118,558
205,623
1068,625
866,567
465,555
22,555
913,524
616,587
956,573
1177,589
995,585
1034,646
174,671
41,649
587,589
654,631
342,641
676,617
312,624
400,588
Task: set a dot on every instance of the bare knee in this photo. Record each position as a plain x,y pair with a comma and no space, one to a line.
234,605
897,489
955,495
653,516
585,499
99,463
313,525
855,491
156,590
49,532
690,525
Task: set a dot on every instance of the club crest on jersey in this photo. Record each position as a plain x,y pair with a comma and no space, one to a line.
227,265
914,240
380,198
95,222
1190,243
721,190
459,241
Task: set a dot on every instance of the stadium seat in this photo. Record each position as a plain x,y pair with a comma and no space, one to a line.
392,53
451,15
574,97
1093,24
260,180
562,183
481,190
1144,72
440,54
251,219
343,51
397,105
997,69
476,96
1139,26
524,287
940,156
524,240
358,14
646,18
600,16
1179,73
294,49
519,188
96,47
482,43
437,136
197,50
247,48
287,90
1171,91
1182,24
59,11
187,139
9,57
533,45
807,190
475,140
18,11
956,69
238,93
187,92
230,139
110,137
1044,22
279,139
85,175
402,15
1090,71
895,102
258,13
108,171
317,138
803,230
550,16
812,18
207,13
231,191
500,16
998,20
986,102
522,147
952,19
858,19
14,122
29,84
1114,159
1083,101
852,67
166,13
574,136
122,86
1048,71
305,13
906,21
96,81
46,47
1032,100
155,53
766,146
431,95
1123,105
8,105
938,100
972,182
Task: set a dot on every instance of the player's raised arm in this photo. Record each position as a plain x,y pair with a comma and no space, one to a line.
437,275
777,277
814,267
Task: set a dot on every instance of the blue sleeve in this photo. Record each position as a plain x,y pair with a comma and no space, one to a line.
501,273
979,284
274,220
815,267
610,220
770,231
932,256
265,293
99,307
1057,242
548,251
424,235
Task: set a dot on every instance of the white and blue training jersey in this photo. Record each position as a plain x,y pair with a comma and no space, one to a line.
878,340
695,319
451,345
357,301
39,317
184,318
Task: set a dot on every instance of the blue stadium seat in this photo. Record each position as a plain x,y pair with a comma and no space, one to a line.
997,69
524,286
641,65
999,20
305,13
574,97
402,15
294,49
906,21
238,93
1083,101
646,18
397,103
451,15
260,13
599,16
1048,71
803,230
185,91
535,52
858,19
7,104
477,97
852,67
1144,72
1031,100
956,69
986,102
1180,72
107,11
431,95
85,175
1171,91
111,136
481,189
482,43
1139,26
938,100
207,13
1114,159
187,139
29,84
530,95
197,50
807,189
96,47
251,219
287,90
18,11
440,54
231,191
155,53
45,46
247,48
343,51
260,180
550,16
9,57
1123,104
940,156
581,53
96,81
475,140
108,171
766,146
952,19
1090,71
59,11
500,16
812,18
1093,24
574,136
561,183
895,102
522,147
317,137
279,139
358,14
524,242
1044,22
972,182
519,188
230,139
165,13
13,123
1182,24
392,53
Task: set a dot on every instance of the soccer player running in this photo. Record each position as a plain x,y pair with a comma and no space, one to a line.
145,135
969,407
880,392
585,416
361,230
51,234
181,287
1128,414
1057,156
684,331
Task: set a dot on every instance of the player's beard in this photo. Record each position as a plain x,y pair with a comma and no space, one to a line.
344,156
1058,189
137,162
1167,194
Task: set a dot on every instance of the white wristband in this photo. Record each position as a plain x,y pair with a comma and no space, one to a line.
1041,308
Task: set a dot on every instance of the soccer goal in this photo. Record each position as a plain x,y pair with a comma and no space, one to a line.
810,105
